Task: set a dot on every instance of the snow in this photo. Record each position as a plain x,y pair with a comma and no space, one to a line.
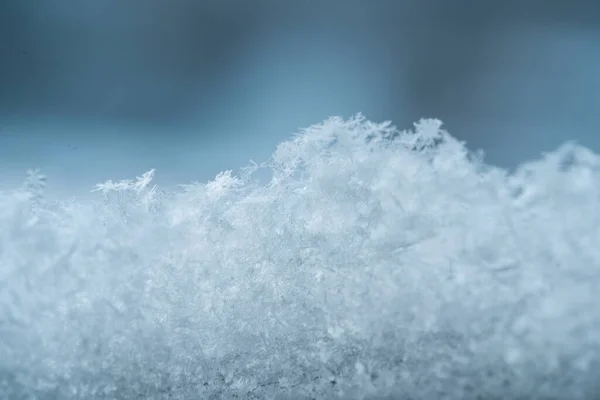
373,263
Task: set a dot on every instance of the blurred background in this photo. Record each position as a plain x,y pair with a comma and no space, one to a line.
93,90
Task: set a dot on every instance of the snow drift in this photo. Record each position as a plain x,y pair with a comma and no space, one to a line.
371,263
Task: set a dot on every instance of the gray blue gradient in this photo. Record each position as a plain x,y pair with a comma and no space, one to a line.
91,91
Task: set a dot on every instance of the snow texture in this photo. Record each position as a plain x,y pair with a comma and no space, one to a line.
371,264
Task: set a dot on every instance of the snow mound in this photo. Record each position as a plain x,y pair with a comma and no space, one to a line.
372,263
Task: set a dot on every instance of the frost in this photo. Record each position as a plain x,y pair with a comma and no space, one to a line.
223,183
373,263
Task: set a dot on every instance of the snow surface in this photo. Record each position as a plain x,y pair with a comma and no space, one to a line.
372,263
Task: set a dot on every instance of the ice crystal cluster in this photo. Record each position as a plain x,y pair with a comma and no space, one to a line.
372,263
